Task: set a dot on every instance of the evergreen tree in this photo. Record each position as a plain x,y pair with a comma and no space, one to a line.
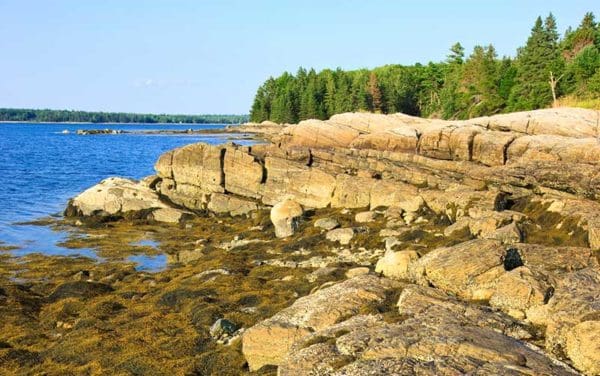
457,54
535,62
482,84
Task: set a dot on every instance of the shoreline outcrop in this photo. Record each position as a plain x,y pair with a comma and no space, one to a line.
492,238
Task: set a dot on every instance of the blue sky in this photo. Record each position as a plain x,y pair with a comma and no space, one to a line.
176,56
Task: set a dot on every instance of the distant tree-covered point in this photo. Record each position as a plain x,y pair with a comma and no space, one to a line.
548,69
58,116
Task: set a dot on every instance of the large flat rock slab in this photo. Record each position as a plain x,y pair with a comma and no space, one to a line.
268,342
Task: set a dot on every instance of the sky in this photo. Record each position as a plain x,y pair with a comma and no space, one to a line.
200,56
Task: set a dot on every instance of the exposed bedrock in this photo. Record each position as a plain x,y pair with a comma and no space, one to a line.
512,287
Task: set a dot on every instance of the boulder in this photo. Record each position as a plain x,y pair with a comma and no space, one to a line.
285,216
469,270
358,271
114,196
199,165
576,300
268,342
327,223
340,235
518,290
583,347
395,264
223,328
365,217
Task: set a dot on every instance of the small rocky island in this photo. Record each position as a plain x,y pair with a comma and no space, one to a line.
365,244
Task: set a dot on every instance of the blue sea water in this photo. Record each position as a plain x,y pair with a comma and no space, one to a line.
41,168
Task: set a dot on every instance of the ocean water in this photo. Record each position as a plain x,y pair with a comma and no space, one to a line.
41,168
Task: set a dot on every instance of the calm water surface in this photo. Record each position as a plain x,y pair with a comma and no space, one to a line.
41,168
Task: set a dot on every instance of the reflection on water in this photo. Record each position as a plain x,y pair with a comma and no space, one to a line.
149,263
145,243
42,239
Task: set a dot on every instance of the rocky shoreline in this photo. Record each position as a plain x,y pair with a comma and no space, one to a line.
375,245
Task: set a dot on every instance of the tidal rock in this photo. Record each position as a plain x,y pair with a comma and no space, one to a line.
583,347
223,328
440,336
79,289
469,270
327,223
355,272
114,196
170,215
576,300
268,342
285,216
365,217
340,235
395,264
456,202
518,290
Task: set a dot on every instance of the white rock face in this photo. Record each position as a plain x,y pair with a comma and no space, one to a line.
114,196
285,216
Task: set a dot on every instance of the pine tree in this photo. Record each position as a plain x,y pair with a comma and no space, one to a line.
457,54
535,62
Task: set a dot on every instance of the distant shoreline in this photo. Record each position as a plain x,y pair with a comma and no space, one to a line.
89,122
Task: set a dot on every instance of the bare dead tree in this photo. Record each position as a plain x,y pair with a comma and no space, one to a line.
553,83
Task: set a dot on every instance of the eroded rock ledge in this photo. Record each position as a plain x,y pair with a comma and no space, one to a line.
519,298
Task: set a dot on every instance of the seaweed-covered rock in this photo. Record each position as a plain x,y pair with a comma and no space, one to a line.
79,289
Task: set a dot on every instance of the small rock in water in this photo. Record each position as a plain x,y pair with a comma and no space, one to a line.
327,223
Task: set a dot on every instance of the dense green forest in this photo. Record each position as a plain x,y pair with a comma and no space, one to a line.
546,69
11,114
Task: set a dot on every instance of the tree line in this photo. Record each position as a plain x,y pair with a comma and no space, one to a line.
549,66
51,116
